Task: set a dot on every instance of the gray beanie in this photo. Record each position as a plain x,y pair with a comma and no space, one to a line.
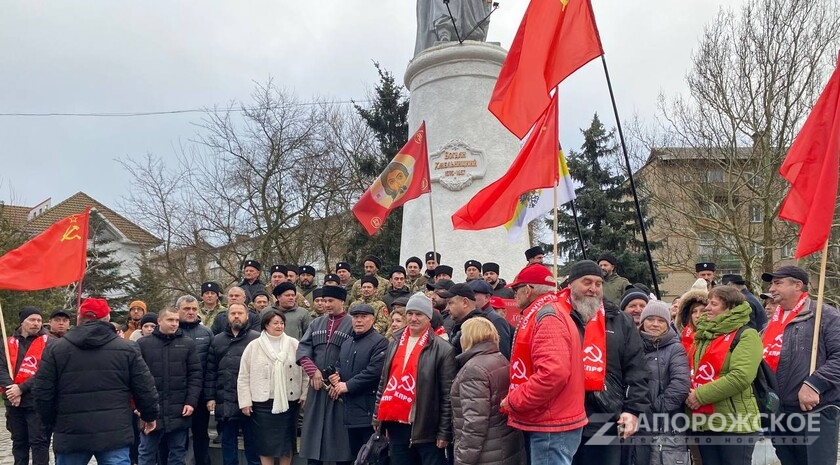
656,308
631,295
420,303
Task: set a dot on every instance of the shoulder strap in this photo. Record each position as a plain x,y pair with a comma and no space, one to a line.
545,311
737,338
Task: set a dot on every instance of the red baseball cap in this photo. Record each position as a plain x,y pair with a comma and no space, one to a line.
535,273
94,308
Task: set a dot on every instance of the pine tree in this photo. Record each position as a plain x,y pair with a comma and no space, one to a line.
388,118
103,277
149,286
605,209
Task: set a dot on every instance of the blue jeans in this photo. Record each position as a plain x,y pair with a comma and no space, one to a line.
230,446
176,444
106,457
552,448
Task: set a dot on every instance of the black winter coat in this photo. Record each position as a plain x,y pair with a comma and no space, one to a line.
223,371
202,336
361,358
85,385
502,327
394,294
220,323
436,369
26,399
173,361
625,366
455,334
667,364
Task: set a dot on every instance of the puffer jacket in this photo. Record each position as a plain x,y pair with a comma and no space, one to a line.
795,359
173,361
432,408
735,410
394,294
482,435
84,387
202,336
670,377
223,371
362,357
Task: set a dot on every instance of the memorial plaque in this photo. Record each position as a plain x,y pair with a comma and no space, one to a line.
456,164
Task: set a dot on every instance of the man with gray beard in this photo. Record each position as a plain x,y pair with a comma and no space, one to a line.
615,374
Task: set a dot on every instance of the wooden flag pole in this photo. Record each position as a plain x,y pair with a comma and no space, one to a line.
6,344
818,316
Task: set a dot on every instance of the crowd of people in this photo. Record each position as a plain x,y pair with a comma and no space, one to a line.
297,368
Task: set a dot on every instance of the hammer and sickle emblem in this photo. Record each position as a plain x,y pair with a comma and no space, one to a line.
418,137
593,354
71,234
30,362
407,383
518,370
705,373
392,384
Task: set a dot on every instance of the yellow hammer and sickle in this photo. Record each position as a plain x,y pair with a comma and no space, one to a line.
69,236
565,4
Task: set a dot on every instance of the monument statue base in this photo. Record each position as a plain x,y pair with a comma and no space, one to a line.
450,86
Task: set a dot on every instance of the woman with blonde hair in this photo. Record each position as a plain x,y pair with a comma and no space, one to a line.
482,435
272,388
398,321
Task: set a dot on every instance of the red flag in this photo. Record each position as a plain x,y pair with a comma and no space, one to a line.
811,167
555,38
536,167
56,257
405,178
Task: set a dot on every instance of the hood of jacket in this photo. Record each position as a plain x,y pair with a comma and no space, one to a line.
482,348
724,323
178,333
687,301
653,343
91,335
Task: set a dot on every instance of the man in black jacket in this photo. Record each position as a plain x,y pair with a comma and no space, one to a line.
625,386
220,384
26,347
483,293
85,386
190,324
460,301
173,361
361,359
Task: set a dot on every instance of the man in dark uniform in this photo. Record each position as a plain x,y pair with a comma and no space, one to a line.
443,272
251,278
414,278
346,280
706,270
306,282
490,271
324,437
472,268
432,261
211,302
534,255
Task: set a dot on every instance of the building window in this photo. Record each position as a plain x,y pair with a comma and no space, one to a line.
705,245
756,214
788,250
753,179
714,175
755,250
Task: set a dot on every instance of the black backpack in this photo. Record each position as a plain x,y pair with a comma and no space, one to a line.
764,385
374,452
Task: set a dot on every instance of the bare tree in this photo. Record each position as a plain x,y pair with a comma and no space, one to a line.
271,180
712,174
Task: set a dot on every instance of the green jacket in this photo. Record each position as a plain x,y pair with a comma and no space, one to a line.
731,394
614,287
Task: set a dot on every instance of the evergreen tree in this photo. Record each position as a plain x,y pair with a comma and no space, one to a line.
149,286
103,277
388,118
605,209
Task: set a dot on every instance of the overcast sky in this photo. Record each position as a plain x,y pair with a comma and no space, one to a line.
100,56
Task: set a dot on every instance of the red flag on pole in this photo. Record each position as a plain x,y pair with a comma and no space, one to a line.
536,167
56,257
405,178
811,167
555,38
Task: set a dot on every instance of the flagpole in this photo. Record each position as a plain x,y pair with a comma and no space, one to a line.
818,317
630,177
579,233
432,217
555,230
6,344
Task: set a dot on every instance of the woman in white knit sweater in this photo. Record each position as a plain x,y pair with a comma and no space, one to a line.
271,389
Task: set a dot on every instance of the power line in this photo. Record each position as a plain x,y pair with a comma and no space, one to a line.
167,112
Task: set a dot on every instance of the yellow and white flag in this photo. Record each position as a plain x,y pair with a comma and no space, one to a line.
536,203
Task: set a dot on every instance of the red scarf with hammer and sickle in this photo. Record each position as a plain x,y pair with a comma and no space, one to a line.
401,390
521,366
711,363
595,351
774,334
31,360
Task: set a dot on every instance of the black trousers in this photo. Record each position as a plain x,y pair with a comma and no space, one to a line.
358,438
417,454
729,453
601,454
821,445
28,432
200,436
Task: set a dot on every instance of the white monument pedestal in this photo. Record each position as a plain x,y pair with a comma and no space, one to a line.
450,87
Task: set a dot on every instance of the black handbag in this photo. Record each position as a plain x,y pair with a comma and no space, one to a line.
374,452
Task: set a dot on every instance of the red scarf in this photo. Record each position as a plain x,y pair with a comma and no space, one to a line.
595,351
687,338
31,360
711,363
521,367
775,331
401,389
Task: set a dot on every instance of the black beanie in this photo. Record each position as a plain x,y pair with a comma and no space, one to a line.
26,312
150,317
584,268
